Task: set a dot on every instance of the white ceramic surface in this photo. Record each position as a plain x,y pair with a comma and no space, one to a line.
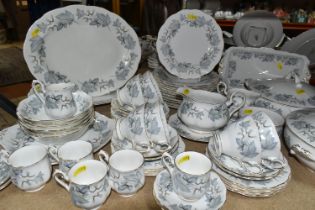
163,191
87,183
190,44
30,168
97,50
240,63
190,174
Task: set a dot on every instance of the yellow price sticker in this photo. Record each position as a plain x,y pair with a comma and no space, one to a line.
280,66
191,17
79,170
299,91
35,32
183,159
186,91
248,111
38,88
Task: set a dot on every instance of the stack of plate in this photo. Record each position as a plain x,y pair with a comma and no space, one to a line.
35,122
189,46
152,164
169,83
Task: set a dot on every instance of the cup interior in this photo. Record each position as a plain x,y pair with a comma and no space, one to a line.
87,172
75,150
126,160
27,156
193,163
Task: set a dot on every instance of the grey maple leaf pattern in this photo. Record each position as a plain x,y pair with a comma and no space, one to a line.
180,207
127,182
246,144
305,128
133,90
52,102
64,20
214,198
148,92
21,178
53,77
135,125
152,126
218,112
101,20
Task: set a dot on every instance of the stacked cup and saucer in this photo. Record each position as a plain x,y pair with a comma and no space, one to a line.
146,130
139,90
202,112
246,155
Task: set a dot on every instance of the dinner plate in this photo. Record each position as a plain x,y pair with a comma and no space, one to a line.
241,63
303,44
89,46
190,44
258,29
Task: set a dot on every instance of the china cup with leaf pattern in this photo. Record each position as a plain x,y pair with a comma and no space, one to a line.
207,111
150,88
87,182
57,98
126,173
190,174
30,168
71,153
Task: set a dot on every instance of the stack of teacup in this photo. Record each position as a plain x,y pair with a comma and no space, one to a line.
246,154
146,130
137,91
203,112
56,112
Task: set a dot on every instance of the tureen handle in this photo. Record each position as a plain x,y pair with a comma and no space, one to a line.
39,90
272,163
168,162
62,179
240,100
297,149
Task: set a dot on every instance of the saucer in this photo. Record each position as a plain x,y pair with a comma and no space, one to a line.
99,134
166,197
187,132
241,169
255,188
152,168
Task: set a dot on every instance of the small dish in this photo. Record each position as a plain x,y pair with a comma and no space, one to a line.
166,197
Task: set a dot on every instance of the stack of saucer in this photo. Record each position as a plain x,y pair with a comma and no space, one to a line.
169,83
34,120
146,130
139,90
246,154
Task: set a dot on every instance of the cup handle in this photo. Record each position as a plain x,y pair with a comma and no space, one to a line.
53,152
237,106
103,156
272,163
36,91
4,156
222,88
168,162
62,179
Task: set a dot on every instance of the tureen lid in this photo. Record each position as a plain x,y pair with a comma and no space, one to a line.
302,123
283,91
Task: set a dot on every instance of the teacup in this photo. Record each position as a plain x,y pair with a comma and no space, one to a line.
87,182
207,111
150,88
126,171
190,173
71,153
57,98
240,140
132,128
131,94
146,127
30,168
276,118
157,129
